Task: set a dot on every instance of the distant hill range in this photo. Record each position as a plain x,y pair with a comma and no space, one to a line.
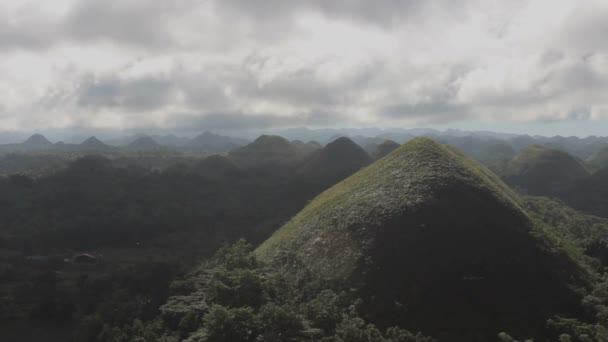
474,143
214,143
206,142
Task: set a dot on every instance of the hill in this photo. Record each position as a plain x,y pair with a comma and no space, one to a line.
93,144
433,241
307,148
599,160
521,142
144,143
384,149
37,142
211,142
542,170
333,163
267,150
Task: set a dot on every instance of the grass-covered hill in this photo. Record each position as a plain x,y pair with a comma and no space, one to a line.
307,148
542,170
589,195
599,160
37,141
384,149
333,163
211,142
267,151
93,144
432,241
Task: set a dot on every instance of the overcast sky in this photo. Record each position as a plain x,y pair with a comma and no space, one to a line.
190,65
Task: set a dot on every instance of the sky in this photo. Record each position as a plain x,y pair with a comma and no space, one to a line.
535,66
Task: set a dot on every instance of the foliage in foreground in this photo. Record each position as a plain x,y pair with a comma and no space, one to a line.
232,297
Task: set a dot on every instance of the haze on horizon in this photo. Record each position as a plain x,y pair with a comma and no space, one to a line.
536,66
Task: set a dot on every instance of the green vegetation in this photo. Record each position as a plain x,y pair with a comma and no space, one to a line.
599,159
424,239
384,149
424,233
232,297
543,171
331,164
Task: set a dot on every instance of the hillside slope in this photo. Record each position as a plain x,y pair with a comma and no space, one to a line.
433,241
544,171
144,143
384,149
599,160
333,163
265,151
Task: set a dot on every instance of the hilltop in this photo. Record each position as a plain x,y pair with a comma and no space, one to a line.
599,160
334,162
432,240
93,144
307,148
267,150
211,142
144,143
542,170
38,142
384,149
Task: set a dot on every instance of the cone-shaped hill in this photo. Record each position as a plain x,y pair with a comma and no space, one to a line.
93,144
542,170
267,150
211,142
599,160
433,241
333,163
37,142
307,148
384,149
144,143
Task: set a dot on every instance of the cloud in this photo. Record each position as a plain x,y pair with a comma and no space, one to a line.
139,94
234,64
242,121
137,23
